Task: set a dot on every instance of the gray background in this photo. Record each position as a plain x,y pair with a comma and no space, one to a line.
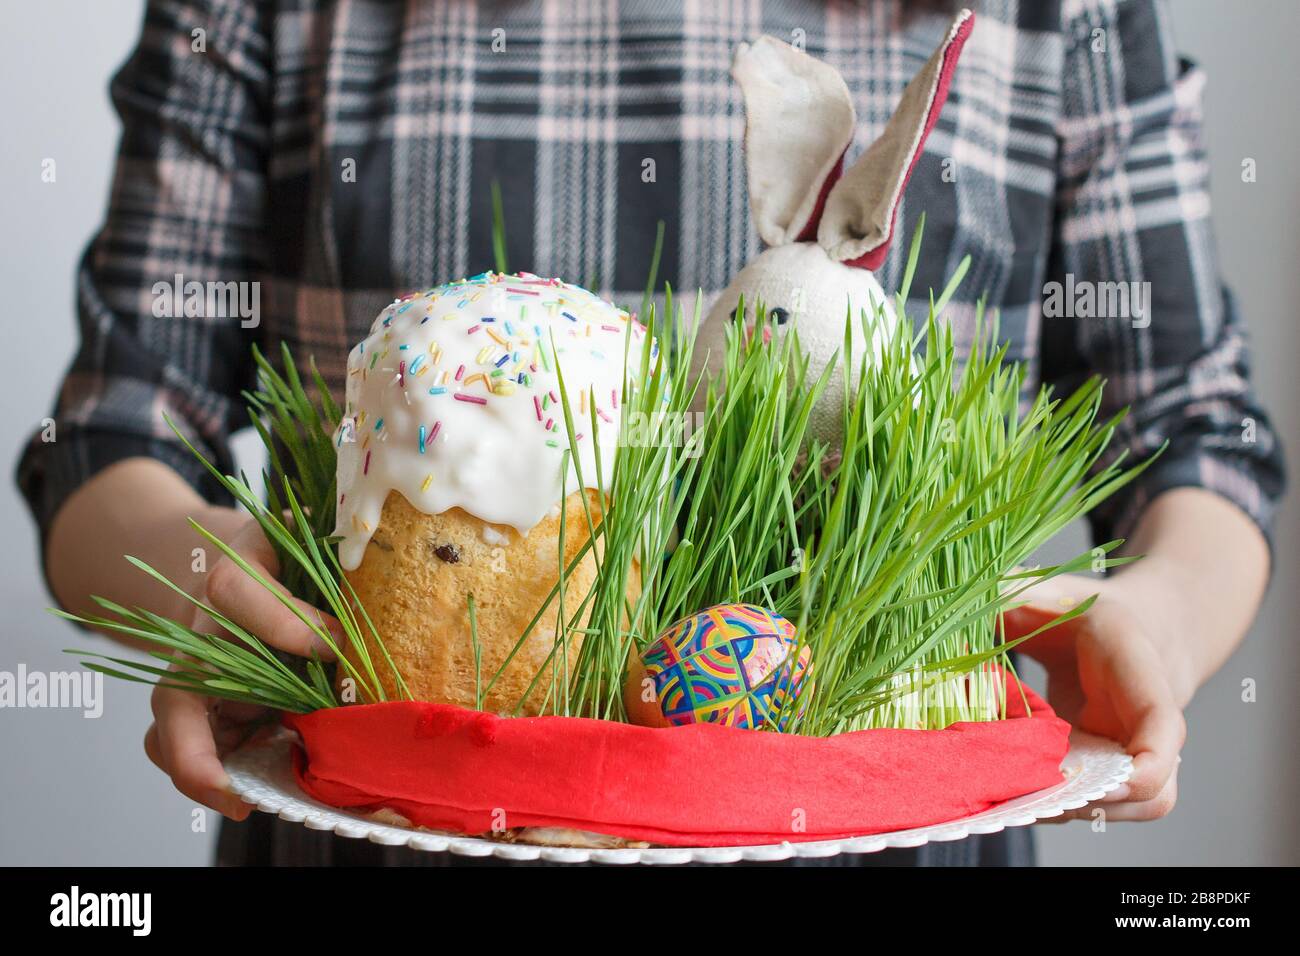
77,791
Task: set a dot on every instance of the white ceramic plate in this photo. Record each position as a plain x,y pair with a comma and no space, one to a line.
262,774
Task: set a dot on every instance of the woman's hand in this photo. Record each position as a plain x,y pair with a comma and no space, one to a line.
1128,667
1114,671
141,507
190,734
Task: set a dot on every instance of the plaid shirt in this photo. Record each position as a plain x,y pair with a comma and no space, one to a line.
340,152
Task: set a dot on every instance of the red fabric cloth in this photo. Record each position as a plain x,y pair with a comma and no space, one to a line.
809,231
448,768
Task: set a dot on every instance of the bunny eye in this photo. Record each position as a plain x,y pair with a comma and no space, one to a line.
735,314
779,316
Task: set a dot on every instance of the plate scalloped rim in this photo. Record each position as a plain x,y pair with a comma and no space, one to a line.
260,774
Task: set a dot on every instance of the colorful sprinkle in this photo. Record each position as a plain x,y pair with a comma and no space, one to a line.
522,352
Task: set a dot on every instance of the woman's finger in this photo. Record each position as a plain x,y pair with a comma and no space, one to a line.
239,596
152,749
1161,805
1039,605
182,744
1126,811
251,544
1154,727
233,723
237,712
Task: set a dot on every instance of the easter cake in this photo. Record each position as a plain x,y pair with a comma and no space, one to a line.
457,474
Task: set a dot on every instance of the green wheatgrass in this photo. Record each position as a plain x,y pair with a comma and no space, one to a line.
895,559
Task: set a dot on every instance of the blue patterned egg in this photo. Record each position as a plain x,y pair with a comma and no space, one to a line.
732,664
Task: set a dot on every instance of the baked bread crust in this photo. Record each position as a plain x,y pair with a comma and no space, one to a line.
414,580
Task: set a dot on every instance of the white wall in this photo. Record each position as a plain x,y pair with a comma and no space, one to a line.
81,791
1240,776
74,790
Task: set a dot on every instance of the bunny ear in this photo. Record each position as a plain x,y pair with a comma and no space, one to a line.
798,122
858,222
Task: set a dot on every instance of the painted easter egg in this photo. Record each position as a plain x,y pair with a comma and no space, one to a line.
733,664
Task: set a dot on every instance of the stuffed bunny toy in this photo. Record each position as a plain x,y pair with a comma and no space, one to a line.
825,229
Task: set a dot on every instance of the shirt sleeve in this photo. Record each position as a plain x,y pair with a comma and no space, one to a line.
186,215
1133,232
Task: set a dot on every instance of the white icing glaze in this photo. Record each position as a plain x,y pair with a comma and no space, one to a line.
453,401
